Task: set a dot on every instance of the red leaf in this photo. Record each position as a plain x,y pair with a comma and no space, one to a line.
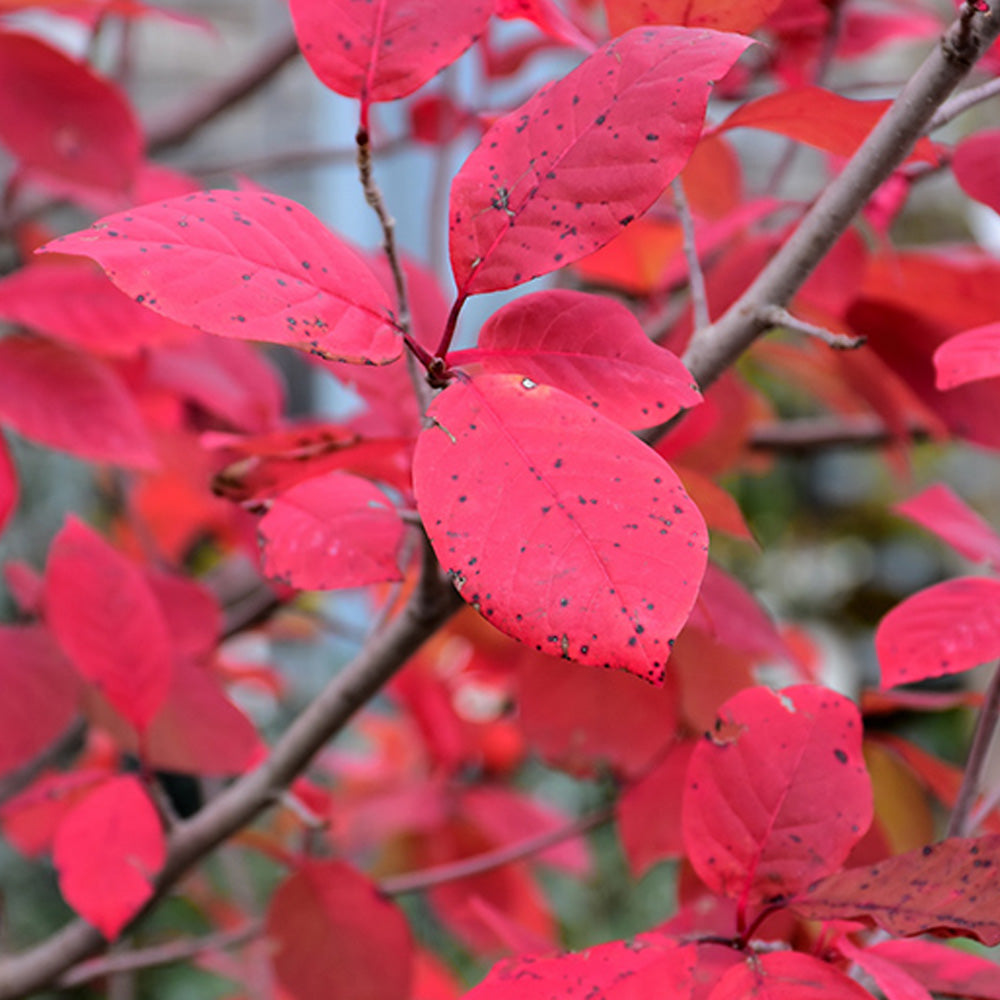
588,721
331,532
248,265
108,622
652,965
336,938
942,968
546,15
197,730
388,49
40,694
945,629
59,117
894,982
559,526
589,346
107,852
976,164
787,975
649,812
8,484
754,827
819,118
938,509
561,175
71,401
968,356
724,15
76,304
947,888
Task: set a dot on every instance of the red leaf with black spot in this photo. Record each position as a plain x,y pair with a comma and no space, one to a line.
248,265
559,526
787,975
945,629
382,50
754,826
947,888
561,175
590,346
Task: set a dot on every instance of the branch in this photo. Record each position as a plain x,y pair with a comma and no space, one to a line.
161,954
809,434
961,103
776,316
16,781
986,727
696,278
466,867
715,348
178,125
433,601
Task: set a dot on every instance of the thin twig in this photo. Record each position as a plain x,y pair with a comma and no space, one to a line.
982,738
715,348
778,316
696,277
374,198
179,124
432,602
961,103
161,954
810,434
427,878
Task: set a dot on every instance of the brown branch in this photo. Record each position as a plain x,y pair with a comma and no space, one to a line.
696,277
433,601
986,728
808,434
715,348
777,316
427,878
961,103
179,124
160,954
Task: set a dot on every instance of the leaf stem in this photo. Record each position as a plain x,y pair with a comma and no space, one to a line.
450,326
959,824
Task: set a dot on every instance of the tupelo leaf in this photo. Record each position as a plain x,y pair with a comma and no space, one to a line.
561,175
591,347
945,629
249,265
107,851
948,888
559,526
383,50
754,827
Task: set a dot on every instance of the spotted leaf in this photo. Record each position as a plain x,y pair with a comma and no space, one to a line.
590,346
947,888
561,175
559,526
787,975
387,49
945,629
754,826
248,265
